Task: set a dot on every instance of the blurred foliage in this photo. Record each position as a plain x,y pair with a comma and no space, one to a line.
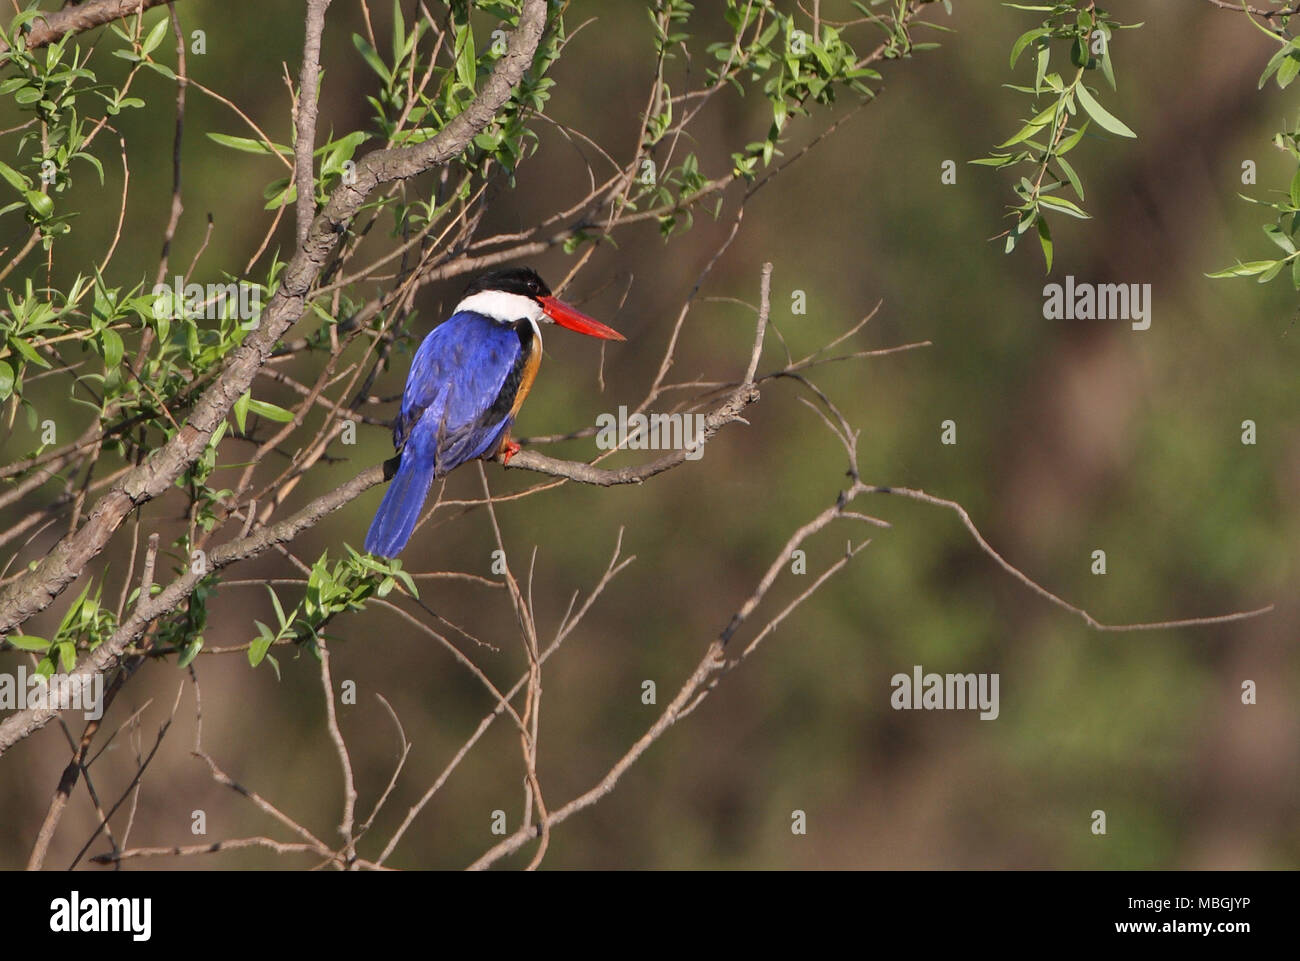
1283,67
1086,30
1071,435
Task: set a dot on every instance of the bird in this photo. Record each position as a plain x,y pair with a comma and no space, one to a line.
464,389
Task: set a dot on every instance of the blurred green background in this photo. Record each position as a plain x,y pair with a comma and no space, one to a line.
1072,436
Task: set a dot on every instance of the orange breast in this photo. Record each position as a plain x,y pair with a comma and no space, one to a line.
528,375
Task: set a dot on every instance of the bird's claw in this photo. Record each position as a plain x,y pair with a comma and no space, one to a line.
508,450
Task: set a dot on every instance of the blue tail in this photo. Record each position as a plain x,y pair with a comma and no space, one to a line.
400,508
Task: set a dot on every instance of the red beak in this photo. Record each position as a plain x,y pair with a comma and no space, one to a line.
567,316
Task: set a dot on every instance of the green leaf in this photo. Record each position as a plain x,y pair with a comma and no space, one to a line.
94,162
399,30
39,202
1028,130
16,180
1275,62
466,62
1248,269
1107,66
1024,40
1045,240
1070,142
248,145
1279,237
286,195
217,434
1098,113
154,37
1272,272
1079,54
269,411
28,351
26,642
190,652
1288,71
1063,205
258,648
6,380
241,410
113,348
257,651
372,57
1071,176
279,611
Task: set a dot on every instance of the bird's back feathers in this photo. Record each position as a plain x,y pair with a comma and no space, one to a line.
458,402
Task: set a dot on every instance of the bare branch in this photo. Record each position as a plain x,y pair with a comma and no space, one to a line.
345,760
305,142
22,723
35,590
51,26
1096,625
216,847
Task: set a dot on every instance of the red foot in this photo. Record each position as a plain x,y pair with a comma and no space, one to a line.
508,450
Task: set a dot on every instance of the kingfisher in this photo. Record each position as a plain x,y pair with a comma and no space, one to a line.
466,384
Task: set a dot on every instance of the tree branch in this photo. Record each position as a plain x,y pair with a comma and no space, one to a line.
51,26
305,142
37,588
20,724
1237,7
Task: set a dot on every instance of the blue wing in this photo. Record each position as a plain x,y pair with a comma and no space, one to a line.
449,415
448,412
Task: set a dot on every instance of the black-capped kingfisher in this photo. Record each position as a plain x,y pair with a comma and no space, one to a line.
466,384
